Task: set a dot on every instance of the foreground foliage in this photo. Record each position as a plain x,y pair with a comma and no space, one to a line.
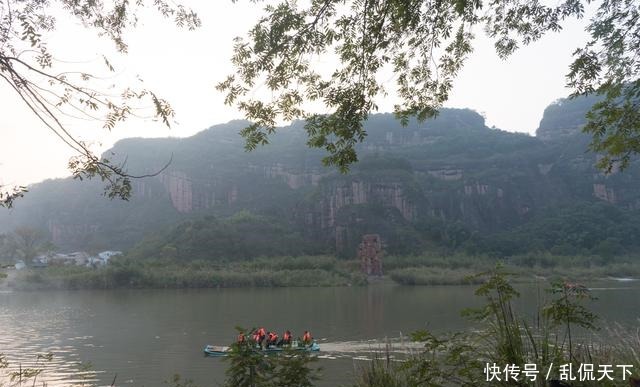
503,337
58,92
249,367
425,44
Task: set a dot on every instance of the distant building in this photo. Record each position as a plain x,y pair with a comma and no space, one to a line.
106,255
38,265
44,258
41,261
78,258
102,258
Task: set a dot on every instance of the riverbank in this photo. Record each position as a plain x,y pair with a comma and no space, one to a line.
313,271
463,269
317,271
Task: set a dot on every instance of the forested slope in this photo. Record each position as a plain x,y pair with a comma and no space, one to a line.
450,183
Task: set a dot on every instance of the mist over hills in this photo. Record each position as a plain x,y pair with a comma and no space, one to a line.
448,183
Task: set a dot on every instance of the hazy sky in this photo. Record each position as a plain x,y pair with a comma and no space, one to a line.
184,66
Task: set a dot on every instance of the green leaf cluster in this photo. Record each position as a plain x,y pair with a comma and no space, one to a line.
425,44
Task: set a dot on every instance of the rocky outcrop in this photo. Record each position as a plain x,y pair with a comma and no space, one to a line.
446,174
180,190
292,179
362,192
188,195
564,119
602,192
70,234
477,189
451,170
232,195
142,189
409,138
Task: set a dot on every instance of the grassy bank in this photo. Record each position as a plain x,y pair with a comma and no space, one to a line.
456,269
426,269
129,273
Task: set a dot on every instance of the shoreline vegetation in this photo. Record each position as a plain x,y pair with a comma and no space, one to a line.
315,271
557,342
124,272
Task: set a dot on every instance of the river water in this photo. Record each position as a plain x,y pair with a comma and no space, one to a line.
145,336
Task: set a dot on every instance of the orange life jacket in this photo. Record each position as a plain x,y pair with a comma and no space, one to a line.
241,338
286,336
306,337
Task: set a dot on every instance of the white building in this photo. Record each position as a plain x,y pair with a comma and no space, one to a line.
77,258
106,255
102,258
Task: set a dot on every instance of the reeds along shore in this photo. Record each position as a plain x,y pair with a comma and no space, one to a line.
129,273
561,340
426,269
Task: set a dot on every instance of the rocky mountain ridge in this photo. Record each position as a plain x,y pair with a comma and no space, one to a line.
412,182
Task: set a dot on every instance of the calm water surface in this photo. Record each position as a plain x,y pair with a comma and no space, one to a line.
145,336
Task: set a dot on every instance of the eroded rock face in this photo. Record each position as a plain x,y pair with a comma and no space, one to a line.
476,189
142,189
66,234
180,190
292,179
446,174
564,119
603,193
188,195
343,194
453,169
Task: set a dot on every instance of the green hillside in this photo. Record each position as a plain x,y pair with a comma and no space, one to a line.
448,184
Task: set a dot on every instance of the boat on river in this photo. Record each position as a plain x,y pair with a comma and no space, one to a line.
217,350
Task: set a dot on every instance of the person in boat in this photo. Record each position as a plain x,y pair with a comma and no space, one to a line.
259,336
306,338
241,338
286,339
272,339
